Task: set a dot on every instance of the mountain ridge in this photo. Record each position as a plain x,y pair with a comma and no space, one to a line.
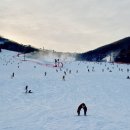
117,49
15,46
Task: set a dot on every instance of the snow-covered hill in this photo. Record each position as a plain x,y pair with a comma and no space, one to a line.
103,87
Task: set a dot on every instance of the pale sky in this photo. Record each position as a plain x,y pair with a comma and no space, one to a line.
65,25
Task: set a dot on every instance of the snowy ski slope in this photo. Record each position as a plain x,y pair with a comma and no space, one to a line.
53,103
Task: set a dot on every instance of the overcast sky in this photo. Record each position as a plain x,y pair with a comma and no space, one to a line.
65,25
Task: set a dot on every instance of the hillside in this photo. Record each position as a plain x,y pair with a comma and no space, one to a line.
103,87
35,52
14,46
119,51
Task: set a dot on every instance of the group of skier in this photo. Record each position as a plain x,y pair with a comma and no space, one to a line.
58,63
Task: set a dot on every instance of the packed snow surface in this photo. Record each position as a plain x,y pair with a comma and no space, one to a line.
103,87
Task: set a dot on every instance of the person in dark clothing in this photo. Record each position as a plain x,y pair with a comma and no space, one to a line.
63,78
29,91
26,88
12,75
82,106
55,62
64,72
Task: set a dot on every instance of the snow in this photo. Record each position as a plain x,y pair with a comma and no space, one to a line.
53,103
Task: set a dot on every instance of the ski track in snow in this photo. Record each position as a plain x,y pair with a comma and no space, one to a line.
53,103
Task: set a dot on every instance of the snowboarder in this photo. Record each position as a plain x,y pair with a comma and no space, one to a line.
29,91
82,106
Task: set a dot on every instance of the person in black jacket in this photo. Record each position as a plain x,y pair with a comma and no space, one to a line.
82,106
26,88
29,91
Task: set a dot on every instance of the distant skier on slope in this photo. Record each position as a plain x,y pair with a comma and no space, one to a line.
63,78
55,63
65,72
82,106
26,88
12,75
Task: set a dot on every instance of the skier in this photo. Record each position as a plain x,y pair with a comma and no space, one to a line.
55,63
45,73
82,106
64,72
26,88
12,75
63,78
58,62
